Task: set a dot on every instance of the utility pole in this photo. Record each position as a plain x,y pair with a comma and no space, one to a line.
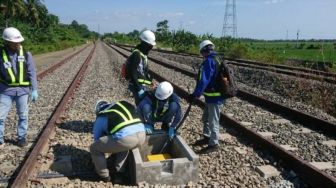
287,35
297,38
230,20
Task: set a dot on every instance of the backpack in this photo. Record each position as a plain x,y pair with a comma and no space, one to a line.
226,80
124,71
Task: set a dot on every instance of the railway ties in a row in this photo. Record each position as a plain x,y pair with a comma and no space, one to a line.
16,168
306,169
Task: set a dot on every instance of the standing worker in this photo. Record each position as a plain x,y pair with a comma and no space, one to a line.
206,85
161,106
137,66
116,130
17,79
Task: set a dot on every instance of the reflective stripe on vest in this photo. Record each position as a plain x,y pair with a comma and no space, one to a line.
21,70
126,116
165,108
144,59
143,81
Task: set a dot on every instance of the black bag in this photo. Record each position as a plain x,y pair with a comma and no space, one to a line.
226,80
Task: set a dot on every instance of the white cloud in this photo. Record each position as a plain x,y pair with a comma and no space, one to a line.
274,1
172,14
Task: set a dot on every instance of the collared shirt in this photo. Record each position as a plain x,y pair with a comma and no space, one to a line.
100,129
31,71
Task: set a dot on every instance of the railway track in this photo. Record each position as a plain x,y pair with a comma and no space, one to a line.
278,130
13,157
66,161
283,69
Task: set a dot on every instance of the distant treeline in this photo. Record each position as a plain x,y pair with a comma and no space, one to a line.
42,31
268,51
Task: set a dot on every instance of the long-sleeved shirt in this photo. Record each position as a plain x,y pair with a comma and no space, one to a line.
207,80
160,106
138,70
100,128
31,71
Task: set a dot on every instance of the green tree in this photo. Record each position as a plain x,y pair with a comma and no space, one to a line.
183,41
162,32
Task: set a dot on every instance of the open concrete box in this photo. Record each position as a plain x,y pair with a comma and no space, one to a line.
180,169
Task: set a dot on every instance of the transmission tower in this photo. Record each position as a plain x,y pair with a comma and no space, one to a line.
230,19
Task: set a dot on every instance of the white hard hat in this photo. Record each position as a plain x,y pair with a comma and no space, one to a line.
12,34
164,90
99,106
205,43
148,36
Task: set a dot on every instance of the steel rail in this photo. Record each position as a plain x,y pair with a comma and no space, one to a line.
27,168
42,74
317,124
310,174
282,69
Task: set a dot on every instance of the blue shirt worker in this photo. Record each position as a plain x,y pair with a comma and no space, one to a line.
137,66
17,80
162,106
206,85
117,130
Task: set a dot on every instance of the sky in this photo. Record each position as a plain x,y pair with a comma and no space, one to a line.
258,19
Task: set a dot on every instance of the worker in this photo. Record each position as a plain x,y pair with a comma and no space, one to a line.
161,106
137,66
116,130
17,81
206,85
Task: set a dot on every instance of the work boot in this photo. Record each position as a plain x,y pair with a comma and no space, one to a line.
22,143
209,149
106,179
201,142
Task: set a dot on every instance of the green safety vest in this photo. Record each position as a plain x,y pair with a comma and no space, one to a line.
120,115
155,106
20,79
144,59
210,92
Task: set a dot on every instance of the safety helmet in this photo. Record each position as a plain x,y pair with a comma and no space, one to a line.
164,90
12,34
148,36
99,106
205,43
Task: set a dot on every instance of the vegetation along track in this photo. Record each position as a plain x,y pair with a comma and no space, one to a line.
309,145
52,84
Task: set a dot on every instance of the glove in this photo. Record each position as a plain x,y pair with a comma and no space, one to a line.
191,98
171,132
141,93
149,129
34,95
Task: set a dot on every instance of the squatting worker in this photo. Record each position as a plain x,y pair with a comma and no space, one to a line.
161,106
137,66
206,85
17,80
116,130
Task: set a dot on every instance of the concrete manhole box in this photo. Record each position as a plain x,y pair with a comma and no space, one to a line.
180,169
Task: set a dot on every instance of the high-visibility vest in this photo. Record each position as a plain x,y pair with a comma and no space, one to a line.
155,106
120,115
210,92
10,78
142,79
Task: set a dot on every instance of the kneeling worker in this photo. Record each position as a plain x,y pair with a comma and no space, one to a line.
117,129
161,106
